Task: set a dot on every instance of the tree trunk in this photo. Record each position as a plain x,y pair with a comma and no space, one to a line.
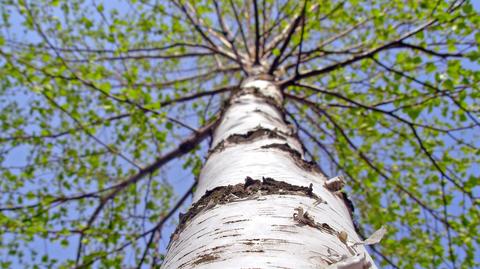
254,189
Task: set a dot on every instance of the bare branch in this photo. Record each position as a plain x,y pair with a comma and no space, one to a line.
240,27
184,147
257,34
283,35
278,19
320,112
154,229
14,43
431,52
145,57
301,37
160,85
286,39
197,27
356,58
160,224
430,86
228,35
411,125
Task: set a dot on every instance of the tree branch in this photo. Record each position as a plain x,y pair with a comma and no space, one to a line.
356,58
229,37
257,34
291,30
320,112
240,27
184,147
197,27
430,86
410,124
160,224
301,37
431,52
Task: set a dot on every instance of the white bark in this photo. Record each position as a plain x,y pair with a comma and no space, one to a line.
259,230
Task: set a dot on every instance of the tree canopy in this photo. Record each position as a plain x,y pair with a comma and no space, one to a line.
107,107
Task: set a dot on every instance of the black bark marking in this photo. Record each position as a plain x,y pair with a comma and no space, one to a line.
227,231
228,235
250,189
264,242
249,182
190,252
235,221
220,247
232,216
297,157
249,137
211,255
205,259
183,215
258,250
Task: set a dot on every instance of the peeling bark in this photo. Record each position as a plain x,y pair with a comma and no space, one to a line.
310,166
251,189
259,203
249,137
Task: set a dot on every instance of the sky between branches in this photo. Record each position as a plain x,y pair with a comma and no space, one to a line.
379,120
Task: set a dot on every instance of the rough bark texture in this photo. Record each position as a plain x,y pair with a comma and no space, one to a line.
259,204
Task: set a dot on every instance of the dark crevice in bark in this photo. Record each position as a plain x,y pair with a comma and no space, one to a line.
297,157
348,203
249,137
228,231
210,255
205,259
251,189
236,221
188,253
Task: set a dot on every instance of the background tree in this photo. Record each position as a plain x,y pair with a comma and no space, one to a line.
104,104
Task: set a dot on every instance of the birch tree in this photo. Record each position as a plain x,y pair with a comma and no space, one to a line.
239,134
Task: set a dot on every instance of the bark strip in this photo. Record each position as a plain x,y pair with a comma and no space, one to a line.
251,136
309,166
251,189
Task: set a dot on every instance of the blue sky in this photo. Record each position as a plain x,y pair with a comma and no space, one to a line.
176,176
